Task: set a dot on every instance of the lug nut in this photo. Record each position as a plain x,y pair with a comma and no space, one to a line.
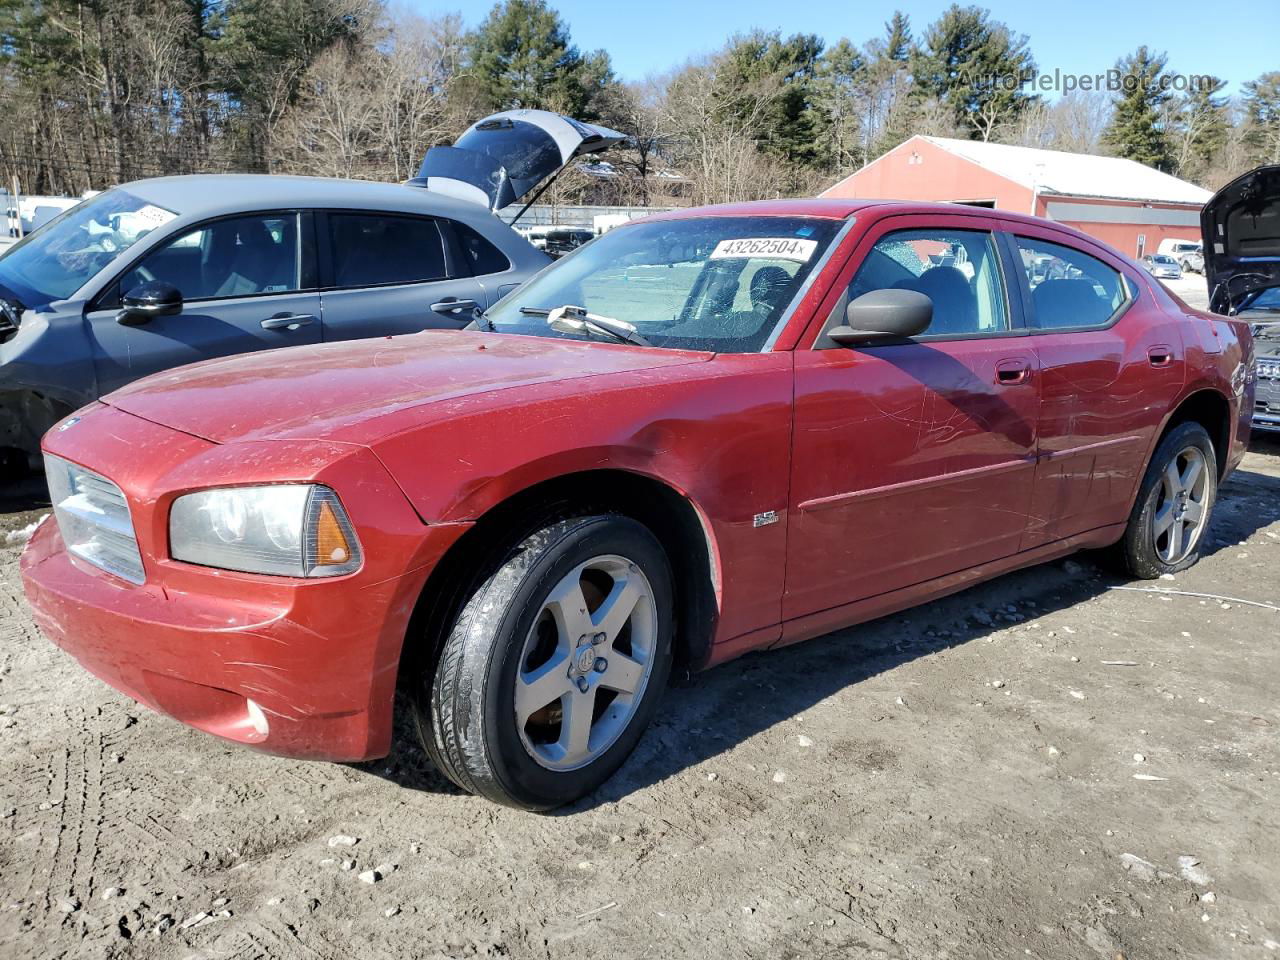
582,684
599,638
601,664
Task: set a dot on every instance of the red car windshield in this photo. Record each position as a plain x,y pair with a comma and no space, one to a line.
711,283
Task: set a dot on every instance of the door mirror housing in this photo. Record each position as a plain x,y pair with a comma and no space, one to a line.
147,301
884,315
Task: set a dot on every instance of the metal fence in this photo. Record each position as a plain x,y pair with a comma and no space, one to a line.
544,215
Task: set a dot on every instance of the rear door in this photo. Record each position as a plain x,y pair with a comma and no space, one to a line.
247,282
1112,362
393,273
913,460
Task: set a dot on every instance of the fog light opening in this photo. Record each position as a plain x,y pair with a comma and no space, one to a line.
257,719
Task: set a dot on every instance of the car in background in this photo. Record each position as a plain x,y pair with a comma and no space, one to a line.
1188,253
1241,229
1162,266
556,241
161,273
704,433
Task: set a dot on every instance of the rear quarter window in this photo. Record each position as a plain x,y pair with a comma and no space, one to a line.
482,255
1070,288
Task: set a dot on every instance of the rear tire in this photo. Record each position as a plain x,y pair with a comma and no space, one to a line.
554,666
1175,502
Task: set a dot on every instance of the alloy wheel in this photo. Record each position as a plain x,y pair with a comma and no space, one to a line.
1181,505
586,663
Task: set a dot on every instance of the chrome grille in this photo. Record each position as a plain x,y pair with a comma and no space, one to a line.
93,517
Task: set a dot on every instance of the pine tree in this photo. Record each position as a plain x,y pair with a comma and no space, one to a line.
1135,131
791,123
1262,118
522,56
974,66
897,37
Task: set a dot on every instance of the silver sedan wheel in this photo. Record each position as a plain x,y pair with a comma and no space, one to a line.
1181,506
586,663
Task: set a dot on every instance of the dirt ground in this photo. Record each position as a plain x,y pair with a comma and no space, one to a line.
1047,766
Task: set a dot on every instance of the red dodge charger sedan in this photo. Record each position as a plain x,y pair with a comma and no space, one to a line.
701,434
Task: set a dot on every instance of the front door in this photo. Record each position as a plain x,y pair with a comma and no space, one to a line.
244,285
913,460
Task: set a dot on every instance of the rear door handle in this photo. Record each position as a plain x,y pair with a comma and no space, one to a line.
1010,372
287,321
451,306
1160,356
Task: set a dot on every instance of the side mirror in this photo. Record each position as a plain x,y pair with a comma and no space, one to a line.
884,315
147,301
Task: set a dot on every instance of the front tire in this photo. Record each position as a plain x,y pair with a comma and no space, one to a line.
554,666
1167,525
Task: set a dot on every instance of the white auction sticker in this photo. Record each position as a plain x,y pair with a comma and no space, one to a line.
152,216
776,248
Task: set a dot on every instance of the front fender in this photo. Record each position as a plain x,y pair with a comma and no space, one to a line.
717,433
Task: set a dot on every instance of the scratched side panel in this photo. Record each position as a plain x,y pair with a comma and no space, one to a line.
717,432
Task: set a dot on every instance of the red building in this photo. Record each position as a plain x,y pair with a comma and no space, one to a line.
1121,202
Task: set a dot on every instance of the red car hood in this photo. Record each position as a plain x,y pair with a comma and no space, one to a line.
337,390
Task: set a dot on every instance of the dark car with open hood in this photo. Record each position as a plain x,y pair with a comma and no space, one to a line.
1241,227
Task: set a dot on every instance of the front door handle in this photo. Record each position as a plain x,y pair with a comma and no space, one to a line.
1014,371
451,306
1160,355
287,321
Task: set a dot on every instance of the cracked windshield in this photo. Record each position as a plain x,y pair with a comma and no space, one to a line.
719,283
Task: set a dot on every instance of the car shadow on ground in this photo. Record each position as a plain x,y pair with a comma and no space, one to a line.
709,713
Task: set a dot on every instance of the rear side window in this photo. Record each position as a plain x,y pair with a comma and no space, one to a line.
957,269
1069,288
377,249
483,256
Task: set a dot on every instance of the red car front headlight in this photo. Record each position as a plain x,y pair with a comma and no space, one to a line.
286,529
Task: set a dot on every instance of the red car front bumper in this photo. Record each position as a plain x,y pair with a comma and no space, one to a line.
302,668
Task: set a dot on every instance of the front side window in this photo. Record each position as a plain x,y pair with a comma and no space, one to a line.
377,249
959,270
706,283
1069,288
55,261
239,257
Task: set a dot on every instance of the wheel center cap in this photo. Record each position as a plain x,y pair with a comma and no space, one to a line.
585,659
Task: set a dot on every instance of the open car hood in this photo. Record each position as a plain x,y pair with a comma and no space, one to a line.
1240,227
505,157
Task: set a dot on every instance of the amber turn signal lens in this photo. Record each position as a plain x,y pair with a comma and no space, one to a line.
332,548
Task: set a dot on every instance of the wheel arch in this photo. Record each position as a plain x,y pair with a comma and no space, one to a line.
1211,409
679,524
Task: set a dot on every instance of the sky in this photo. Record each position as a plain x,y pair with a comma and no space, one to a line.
1236,41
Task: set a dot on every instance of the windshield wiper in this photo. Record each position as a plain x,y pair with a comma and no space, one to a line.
576,320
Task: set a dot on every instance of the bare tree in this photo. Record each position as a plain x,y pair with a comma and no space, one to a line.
712,126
